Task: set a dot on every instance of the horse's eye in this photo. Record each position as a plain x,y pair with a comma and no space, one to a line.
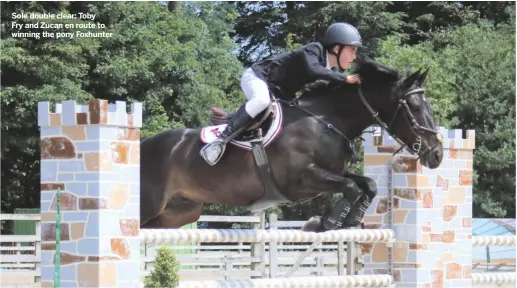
414,104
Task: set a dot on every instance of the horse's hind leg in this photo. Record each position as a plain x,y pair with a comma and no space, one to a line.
358,210
320,179
178,212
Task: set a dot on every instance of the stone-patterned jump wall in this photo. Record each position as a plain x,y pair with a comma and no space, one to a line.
92,153
432,212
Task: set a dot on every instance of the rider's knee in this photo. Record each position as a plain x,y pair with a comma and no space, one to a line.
263,102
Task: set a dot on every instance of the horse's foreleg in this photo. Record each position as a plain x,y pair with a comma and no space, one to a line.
320,179
358,210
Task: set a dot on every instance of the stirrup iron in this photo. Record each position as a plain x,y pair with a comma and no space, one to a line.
213,152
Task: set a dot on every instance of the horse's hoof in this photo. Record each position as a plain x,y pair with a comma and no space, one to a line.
351,227
313,225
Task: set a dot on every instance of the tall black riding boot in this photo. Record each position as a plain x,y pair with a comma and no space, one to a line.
239,120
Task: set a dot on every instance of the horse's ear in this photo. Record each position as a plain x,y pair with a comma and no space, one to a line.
423,75
417,76
409,80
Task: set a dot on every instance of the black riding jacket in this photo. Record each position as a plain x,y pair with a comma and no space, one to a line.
287,73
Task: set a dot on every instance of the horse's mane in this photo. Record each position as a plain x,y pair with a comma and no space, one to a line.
374,71
365,67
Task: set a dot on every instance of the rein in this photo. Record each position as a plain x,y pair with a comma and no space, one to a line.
294,103
415,127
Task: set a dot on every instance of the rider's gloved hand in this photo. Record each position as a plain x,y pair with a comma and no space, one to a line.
353,79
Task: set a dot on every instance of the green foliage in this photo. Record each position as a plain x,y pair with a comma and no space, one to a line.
266,28
468,46
290,42
471,85
33,71
177,64
439,82
263,28
485,87
165,270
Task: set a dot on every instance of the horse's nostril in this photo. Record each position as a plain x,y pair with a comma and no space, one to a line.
437,156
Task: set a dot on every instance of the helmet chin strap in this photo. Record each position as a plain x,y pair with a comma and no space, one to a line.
338,55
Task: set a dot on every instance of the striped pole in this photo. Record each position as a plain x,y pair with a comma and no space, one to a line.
260,235
305,282
497,278
494,240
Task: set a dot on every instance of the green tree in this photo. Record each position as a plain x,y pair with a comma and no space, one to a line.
165,270
484,71
439,83
472,86
262,27
33,70
177,64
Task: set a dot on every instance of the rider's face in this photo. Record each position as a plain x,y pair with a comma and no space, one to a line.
347,56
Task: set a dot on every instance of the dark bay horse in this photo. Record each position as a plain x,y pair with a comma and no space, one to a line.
307,158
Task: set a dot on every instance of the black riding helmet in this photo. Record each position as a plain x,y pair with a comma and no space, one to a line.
341,34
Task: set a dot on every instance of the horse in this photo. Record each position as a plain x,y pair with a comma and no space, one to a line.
303,155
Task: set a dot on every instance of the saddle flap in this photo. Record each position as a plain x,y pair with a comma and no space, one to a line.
270,120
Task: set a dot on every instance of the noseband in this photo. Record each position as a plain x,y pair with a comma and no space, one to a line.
416,128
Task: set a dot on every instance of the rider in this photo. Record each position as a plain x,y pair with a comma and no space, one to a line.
290,71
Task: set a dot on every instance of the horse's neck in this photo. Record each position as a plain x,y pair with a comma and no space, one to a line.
350,117
355,124
362,116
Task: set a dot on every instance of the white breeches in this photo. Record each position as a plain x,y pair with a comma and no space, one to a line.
256,91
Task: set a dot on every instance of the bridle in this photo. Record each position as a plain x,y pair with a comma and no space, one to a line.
416,128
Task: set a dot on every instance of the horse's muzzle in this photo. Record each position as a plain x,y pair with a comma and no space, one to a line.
433,157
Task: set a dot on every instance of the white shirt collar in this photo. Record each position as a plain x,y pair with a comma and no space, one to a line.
328,63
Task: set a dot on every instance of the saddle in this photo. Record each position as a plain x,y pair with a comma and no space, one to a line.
258,134
263,120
